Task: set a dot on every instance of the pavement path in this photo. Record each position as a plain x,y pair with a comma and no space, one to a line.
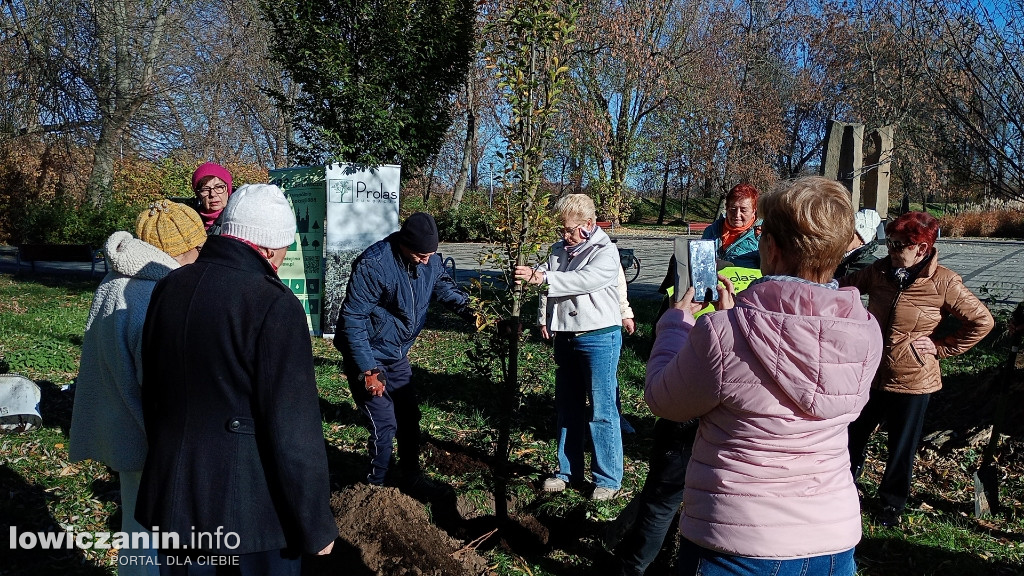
993,269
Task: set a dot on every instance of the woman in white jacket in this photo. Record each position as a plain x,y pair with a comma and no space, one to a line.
581,312
106,423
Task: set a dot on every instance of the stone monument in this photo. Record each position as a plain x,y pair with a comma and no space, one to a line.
862,163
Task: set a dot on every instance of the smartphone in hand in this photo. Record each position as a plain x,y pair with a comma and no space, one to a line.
696,266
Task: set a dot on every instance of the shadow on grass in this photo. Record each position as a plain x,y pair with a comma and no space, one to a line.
108,489
23,507
346,468
461,394
322,361
885,557
343,413
455,459
576,532
56,405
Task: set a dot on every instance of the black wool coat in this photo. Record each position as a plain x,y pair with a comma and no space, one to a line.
231,409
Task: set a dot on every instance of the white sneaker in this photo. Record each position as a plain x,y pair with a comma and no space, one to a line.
602,493
554,485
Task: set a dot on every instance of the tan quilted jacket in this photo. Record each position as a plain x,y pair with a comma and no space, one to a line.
916,311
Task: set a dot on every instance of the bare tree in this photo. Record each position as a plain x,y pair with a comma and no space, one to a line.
627,58
985,98
883,56
97,65
219,95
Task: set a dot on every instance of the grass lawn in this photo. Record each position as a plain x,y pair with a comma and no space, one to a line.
41,324
646,210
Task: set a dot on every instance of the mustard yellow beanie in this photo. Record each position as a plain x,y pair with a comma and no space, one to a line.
171,227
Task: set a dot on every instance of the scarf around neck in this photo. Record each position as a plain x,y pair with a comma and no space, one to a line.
209,217
906,276
587,235
730,233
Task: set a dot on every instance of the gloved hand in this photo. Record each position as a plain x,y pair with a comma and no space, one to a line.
374,381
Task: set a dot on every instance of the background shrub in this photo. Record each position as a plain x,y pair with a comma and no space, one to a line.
66,220
412,202
34,171
992,223
42,191
474,221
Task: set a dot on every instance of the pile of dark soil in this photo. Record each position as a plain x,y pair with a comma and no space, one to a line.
386,533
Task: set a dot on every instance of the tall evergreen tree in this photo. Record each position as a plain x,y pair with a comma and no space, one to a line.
377,77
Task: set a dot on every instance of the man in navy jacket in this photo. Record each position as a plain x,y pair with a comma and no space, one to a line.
230,404
385,307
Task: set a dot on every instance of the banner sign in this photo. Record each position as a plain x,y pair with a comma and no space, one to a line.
303,266
740,278
362,208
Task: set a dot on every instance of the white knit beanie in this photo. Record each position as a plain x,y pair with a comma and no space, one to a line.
866,223
260,214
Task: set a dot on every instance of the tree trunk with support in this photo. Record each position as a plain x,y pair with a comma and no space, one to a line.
532,76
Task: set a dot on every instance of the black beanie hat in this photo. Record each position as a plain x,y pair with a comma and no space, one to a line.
419,233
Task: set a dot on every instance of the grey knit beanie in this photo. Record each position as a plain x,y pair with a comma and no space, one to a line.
260,213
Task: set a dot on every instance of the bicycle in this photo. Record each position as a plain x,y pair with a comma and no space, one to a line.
629,262
449,265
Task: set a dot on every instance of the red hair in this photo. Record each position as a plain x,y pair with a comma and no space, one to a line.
742,192
918,227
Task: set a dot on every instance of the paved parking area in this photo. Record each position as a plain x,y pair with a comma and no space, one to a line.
991,268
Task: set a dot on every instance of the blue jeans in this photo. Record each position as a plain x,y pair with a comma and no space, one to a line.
586,369
694,560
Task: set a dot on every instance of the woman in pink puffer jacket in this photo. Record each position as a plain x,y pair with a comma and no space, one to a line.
775,380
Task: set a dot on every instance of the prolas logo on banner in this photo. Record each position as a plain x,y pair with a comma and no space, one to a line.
362,208
350,191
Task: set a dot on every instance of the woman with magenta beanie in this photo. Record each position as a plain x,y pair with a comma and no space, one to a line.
211,184
775,377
